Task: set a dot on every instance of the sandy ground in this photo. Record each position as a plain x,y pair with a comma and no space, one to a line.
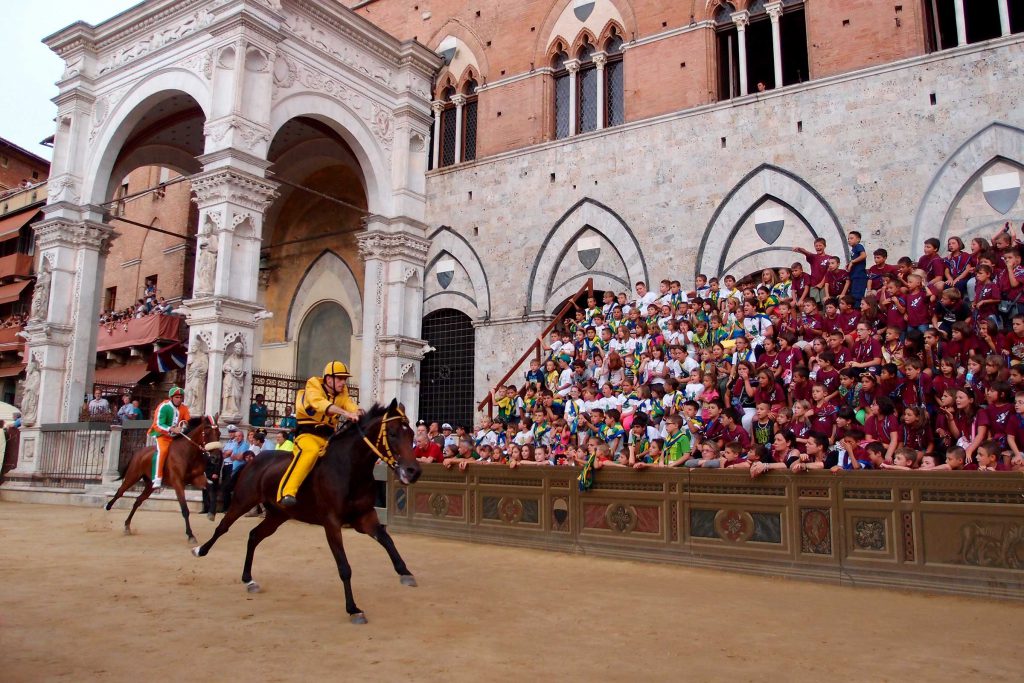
79,601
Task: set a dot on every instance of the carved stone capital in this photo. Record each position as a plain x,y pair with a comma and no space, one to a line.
774,10
600,59
437,106
572,65
58,232
389,246
741,19
237,187
459,100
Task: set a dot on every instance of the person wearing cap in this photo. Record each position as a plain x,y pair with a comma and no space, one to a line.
449,438
318,408
166,420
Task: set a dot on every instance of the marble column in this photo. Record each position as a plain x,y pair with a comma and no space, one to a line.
394,251
1004,17
961,22
460,103
742,19
775,13
222,315
573,67
600,59
438,107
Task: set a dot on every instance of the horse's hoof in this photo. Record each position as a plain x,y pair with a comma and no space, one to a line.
408,580
195,552
210,516
108,506
357,618
252,587
127,531
192,540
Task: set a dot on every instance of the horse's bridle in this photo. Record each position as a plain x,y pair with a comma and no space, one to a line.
388,457
202,446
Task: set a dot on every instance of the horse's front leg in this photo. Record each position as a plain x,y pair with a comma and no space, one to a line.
179,491
333,530
370,525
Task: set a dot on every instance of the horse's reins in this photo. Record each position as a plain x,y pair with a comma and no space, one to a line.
201,447
388,457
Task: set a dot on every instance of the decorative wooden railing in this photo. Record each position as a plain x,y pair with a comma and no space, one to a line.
953,532
537,346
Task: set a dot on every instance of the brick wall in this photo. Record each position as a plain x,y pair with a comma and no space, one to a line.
137,253
16,167
512,38
844,35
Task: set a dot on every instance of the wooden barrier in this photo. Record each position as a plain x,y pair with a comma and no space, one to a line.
948,532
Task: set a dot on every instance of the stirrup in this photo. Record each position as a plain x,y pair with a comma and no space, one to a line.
288,501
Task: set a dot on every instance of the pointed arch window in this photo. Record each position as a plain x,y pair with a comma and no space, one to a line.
614,101
562,103
469,121
448,128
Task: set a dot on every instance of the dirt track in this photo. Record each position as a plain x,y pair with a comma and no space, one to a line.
79,601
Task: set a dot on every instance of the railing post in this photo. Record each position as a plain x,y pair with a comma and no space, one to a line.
113,455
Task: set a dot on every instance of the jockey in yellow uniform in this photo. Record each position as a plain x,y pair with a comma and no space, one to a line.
317,410
166,419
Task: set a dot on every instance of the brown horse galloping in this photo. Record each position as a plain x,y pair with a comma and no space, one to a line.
185,464
340,490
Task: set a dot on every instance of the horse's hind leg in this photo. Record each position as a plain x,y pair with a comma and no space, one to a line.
333,531
179,491
266,528
370,525
138,501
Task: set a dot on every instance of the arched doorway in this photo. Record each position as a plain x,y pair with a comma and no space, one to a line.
309,253
446,374
325,335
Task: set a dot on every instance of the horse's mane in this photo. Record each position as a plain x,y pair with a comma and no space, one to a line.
195,422
375,412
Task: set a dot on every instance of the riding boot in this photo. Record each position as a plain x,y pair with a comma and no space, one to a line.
296,473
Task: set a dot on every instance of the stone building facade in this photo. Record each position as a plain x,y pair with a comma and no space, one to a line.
454,171
894,120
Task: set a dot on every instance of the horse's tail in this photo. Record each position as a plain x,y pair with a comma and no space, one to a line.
122,468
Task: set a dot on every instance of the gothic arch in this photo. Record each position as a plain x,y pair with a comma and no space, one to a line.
456,28
766,182
374,161
586,214
996,142
119,113
446,242
547,34
328,278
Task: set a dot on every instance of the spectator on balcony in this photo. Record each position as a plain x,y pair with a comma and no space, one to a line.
258,412
98,406
129,410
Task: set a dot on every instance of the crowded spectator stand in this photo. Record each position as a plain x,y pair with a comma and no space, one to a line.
823,363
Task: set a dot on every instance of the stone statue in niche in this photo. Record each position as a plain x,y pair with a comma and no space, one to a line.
206,271
30,392
195,377
234,382
41,296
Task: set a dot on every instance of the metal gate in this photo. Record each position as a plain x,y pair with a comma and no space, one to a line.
71,455
446,375
279,392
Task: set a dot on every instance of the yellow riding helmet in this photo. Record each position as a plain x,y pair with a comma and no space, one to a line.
336,368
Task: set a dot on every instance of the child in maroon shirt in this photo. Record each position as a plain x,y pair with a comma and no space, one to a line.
877,272
817,259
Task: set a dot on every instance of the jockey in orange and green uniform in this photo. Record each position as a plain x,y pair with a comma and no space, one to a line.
166,419
318,408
